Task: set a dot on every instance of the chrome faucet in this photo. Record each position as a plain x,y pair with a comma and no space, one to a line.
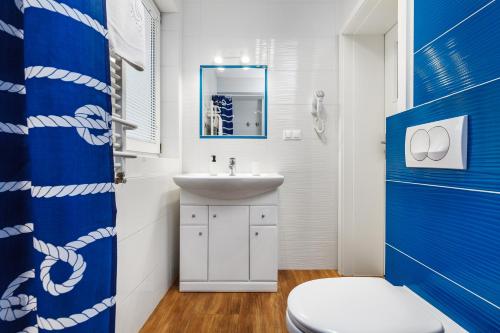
232,166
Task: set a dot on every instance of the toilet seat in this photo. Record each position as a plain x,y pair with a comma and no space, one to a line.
357,305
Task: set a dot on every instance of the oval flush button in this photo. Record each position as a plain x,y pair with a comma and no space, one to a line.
439,143
419,145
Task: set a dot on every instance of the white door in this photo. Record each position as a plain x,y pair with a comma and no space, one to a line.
263,253
362,196
391,71
228,243
193,253
368,53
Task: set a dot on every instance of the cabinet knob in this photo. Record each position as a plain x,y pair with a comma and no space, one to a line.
200,233
263,215
193,216
256,233
215,215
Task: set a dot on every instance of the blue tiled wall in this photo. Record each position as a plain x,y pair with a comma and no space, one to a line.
462,58
443,226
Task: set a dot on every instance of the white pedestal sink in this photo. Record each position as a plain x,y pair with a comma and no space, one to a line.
227,187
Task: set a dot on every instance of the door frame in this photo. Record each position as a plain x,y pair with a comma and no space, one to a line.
369,18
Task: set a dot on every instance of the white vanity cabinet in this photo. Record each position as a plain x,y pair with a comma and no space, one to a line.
229,245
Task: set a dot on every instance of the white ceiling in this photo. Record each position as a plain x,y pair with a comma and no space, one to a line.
168,6
373,17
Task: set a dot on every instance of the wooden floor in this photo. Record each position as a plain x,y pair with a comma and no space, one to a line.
228,312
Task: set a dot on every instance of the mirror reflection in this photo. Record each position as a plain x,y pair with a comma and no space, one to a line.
233,101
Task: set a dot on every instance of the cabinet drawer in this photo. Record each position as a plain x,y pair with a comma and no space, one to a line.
194,253
263,253
263,215
197,215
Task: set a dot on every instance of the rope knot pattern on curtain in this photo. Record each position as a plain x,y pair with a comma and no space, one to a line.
68,255
81,121
15,307
56,182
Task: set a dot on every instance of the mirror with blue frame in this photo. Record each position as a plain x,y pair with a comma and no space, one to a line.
233,101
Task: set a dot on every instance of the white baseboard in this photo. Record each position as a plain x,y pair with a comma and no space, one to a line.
226,286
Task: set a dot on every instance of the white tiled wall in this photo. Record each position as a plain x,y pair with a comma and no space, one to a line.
171,83
148,228
148,204
297,39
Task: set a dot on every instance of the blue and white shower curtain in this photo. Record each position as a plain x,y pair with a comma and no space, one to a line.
57,204
225,104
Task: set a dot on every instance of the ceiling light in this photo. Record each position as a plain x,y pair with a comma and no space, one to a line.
245,59
218,60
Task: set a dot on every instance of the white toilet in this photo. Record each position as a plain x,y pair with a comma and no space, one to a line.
357,305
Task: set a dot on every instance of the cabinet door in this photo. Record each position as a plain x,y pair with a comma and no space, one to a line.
193,253
263,253
228,244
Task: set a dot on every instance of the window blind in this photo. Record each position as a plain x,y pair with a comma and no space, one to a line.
141,95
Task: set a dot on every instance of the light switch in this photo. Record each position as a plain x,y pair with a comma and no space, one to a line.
292,134
287,134
441,144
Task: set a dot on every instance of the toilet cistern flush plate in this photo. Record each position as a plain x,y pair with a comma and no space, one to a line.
440,144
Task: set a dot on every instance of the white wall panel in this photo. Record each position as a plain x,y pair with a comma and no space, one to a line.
297,40
148,204
148,232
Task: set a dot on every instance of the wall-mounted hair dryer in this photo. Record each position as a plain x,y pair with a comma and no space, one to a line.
317,107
